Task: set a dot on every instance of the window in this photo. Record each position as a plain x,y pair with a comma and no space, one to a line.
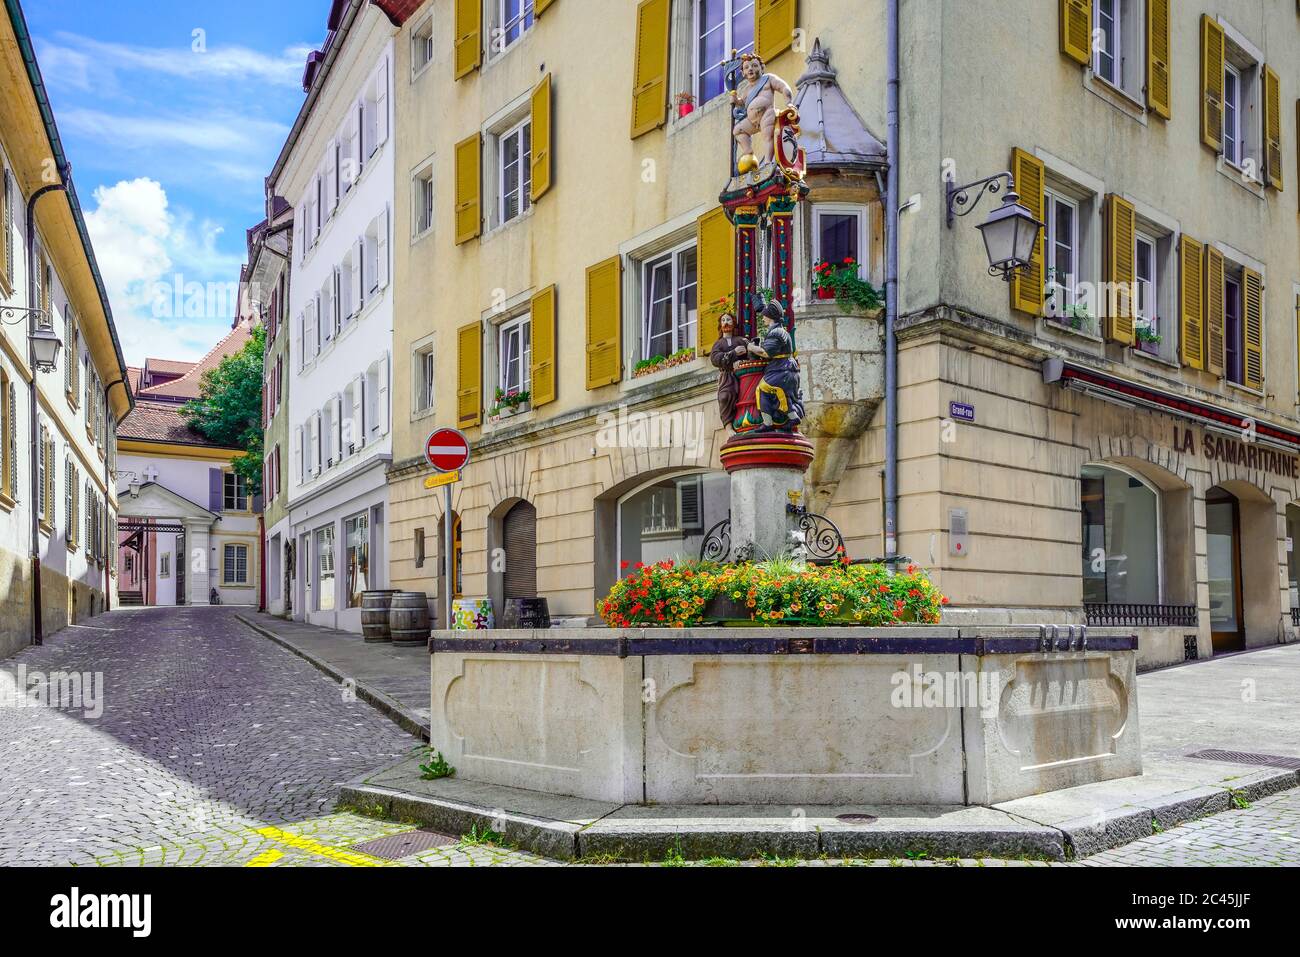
234,492
669,312
421,46
1148,295
1234,144
1121,557
325,568
840,233
670,518
357,542
514,338
513,19
419,548
424,376
720,27
458,586
1107,42
1062,245
234,565
422,201
1119,52
165,565
515,177
1232,369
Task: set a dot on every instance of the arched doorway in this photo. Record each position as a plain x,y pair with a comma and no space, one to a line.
1223,553
519,541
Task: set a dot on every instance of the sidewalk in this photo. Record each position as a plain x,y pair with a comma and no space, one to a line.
1242,704
393,680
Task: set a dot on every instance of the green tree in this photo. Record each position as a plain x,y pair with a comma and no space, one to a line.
228,410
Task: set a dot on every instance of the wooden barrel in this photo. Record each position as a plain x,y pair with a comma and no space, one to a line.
526,613
408,618
374,614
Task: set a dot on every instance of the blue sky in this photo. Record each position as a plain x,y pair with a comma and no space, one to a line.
172,115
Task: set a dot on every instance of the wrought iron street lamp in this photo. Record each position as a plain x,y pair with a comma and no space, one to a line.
1009,232
45,343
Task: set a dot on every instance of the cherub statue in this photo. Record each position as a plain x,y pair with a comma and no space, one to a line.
780,399
726,352
754,105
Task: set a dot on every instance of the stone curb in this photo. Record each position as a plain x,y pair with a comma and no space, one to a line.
404,718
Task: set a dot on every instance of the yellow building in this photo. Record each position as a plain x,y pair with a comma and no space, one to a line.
1066,453
58,507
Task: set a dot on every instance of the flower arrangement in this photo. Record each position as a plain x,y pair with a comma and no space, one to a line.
508,402
685,104
657,363
669,594
1146,333
841,281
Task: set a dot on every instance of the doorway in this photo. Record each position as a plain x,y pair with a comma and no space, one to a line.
1223,547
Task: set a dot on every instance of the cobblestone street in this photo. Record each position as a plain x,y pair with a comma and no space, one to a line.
217,747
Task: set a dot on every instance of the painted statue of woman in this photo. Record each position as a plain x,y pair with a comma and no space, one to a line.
780,400
729,349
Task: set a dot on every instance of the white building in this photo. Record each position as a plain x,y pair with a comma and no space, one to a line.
336,169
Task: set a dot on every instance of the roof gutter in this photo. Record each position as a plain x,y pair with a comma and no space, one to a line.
24,38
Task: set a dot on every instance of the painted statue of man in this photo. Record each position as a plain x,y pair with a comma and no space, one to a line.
780,400
754,103
726,352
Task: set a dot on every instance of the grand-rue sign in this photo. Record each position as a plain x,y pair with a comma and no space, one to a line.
447,450
1224,448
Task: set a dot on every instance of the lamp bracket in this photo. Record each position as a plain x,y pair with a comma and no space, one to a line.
962,200
13,315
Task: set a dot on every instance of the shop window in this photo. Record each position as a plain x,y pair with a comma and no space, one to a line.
670,306
234,565
669,518
1121,538
325,568
357,534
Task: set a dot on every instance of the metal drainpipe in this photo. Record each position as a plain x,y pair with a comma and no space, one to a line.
38,630
891,288
108,551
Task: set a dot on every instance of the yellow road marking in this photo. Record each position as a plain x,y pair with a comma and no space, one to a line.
351,858
266,858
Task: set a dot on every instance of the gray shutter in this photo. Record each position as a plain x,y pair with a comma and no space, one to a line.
13,440
519,531
9,228
216,489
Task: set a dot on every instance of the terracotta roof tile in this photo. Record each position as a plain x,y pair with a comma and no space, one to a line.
159,422
187,386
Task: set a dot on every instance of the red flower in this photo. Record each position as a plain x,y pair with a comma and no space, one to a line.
625,564
943,600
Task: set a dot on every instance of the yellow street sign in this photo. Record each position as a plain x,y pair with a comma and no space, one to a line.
437,481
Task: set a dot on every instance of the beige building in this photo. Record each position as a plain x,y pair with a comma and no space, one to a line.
1111,438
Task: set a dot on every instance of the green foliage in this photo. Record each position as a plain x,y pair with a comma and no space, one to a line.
483,835
842,280
228,410
436,768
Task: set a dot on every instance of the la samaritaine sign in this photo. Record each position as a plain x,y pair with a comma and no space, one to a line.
1251,455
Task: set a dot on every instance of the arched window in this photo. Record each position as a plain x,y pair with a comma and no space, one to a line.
670,517
1121,537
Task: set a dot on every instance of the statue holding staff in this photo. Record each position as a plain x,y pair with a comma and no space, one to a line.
754,106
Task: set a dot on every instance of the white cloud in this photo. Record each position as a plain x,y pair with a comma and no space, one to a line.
142,246
83,61
219,134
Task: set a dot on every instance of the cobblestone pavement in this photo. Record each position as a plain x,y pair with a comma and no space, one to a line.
217,747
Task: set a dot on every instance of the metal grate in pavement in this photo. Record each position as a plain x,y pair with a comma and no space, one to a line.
1247,757
396,846
856,818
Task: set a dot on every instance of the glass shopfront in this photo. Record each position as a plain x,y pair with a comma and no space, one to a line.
1121,538
669,519
1223,552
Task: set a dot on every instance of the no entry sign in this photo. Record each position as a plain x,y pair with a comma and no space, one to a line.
447,450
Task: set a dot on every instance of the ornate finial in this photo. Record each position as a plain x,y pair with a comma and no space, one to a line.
819,65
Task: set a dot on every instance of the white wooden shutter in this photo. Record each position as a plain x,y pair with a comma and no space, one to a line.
354,144
314,459
297,454
382,257
336,428
381,398
381,103
358,275
357,389
332,177
299,326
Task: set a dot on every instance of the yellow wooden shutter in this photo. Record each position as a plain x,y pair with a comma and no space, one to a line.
1121,237
650,71
1252,329
469,30
1272,127
1159,87
468,189
1214,315
469,374
716,263
1191,304
604,322
1076,30
774,24
1297,340
4,219
1211,83
1030,177
541,157
542,369
541,6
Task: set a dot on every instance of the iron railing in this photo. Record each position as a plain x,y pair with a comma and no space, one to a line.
1295,617
1129,615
